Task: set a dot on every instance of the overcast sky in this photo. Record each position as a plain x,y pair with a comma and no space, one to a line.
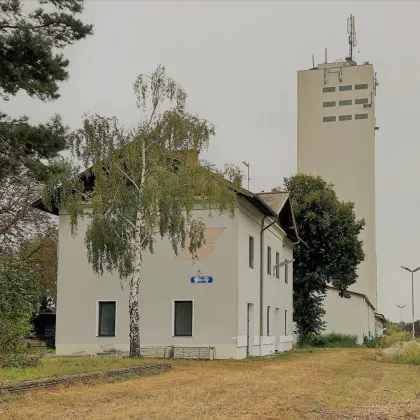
237,61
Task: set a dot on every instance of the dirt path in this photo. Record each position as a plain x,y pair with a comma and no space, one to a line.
336,384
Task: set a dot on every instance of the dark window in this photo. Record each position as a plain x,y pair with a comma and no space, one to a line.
277,265
345,87
329,119
286,273
268,319
361,101
329,89
330,103
362,86
345,117
106,325
183,318
269,260
361,116
251,252
345,102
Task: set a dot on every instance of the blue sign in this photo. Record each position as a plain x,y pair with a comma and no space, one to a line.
201,279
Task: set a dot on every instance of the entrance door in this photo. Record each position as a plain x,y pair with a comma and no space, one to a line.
250,330
277,328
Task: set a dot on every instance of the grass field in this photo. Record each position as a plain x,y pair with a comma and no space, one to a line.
328,384
50,367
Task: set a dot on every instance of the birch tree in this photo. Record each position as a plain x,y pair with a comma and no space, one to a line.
142,185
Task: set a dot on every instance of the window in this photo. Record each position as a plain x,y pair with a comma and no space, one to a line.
106,319
361,116
345,117
345,102
329,89
362,86
330,103
286,273
251,252
285,322
345,87
329,119
277,265
269,260
268,319
183,318
361,101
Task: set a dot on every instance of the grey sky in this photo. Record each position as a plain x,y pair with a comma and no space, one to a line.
238,63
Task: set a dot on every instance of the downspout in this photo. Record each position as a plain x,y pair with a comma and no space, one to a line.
262,275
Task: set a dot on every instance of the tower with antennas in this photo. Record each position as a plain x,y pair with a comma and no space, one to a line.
336,139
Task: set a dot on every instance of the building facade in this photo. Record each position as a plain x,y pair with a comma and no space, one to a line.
336,140
229,303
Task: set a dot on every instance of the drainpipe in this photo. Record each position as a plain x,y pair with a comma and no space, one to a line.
262,275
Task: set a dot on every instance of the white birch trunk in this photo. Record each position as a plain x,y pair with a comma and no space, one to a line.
133,301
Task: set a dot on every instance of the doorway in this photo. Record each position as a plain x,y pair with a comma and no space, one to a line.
250,330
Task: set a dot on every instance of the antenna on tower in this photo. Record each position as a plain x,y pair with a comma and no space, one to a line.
351,29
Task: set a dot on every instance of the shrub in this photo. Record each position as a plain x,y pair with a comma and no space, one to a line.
409,353
19,359
329,340
389,340
373,342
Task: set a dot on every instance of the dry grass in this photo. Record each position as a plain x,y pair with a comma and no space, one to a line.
329,384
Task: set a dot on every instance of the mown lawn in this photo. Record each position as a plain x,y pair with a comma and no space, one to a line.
329,384
50,367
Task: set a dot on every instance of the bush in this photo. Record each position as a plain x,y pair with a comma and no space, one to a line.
373,342
389,340
19,359
329,340
403,352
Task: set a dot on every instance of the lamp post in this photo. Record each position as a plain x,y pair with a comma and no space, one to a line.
412,293
401,308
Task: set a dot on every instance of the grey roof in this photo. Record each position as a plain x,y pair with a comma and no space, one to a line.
275,200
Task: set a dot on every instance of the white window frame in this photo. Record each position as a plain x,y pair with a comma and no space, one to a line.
97,318
173,318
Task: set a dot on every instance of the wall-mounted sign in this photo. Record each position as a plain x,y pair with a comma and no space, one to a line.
201,279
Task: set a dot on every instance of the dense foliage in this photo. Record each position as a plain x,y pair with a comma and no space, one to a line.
31,60
331,253
19,299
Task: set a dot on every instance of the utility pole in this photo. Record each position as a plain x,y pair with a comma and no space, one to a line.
412,293
401,308
248,178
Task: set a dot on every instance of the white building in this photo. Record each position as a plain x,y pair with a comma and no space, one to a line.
243,306
336,140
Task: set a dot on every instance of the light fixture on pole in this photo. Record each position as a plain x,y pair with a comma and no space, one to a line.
248,178
412,293
401,308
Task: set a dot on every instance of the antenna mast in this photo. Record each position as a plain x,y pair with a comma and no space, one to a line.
351,29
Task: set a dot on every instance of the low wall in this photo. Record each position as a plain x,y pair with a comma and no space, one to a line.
51,382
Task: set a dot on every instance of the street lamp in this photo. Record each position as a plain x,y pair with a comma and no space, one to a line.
401,307
412,293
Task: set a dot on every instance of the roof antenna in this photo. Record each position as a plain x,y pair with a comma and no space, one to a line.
248,178
313,61
351,29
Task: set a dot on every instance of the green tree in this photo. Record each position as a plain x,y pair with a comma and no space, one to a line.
333,252
19,299
31,60
40,253
143,184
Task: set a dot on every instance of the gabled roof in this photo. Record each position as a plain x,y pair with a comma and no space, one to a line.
276,200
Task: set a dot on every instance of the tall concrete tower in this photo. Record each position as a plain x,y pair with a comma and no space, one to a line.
336,140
